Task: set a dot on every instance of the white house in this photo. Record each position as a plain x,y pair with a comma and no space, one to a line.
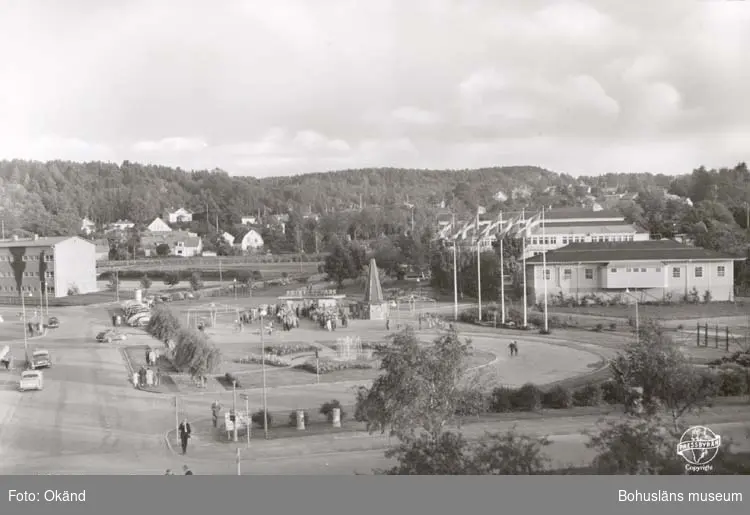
181,243
251,240
87,226
645,271
181,215
249,220
228,238
159,225
564,226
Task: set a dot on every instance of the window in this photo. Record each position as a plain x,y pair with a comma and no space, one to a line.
721,270
675,273
548,274
546,241
567,273
606,238
565,240
630,238
24,258
589,273
613,270
698,271
643,269
629,270
533,241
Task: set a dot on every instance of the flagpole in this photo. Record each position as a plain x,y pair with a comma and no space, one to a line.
479,270
544,279
455,275
525,299
502,271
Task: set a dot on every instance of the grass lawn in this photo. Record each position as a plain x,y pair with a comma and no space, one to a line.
296,377
663,312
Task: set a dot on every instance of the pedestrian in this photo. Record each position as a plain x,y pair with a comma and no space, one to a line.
387,324
169,472
515,347
142,376
157,377
187,470
185,433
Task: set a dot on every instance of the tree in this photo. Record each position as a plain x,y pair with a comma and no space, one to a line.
163,324
163,250
452,454
146,282
421,389
340,264
172,279
196,282
656,364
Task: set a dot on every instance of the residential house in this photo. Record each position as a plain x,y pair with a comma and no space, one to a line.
655,270
279,220
159,225
563,226
500,196
180,215
55,266
227,238
87,226
181,243
250,220
251,240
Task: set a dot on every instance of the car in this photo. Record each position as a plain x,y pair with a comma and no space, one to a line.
110,336
40,358
53,323
31,380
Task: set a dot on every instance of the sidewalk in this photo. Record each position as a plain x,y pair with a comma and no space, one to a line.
550,424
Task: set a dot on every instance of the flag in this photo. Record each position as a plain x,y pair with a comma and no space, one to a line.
532,222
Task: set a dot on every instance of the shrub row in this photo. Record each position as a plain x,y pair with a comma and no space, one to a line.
231,378
280,349
270,360
326,366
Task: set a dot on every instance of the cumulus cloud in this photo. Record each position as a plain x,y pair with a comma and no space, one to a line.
282,87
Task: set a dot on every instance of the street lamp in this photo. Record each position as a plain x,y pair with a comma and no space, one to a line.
234,281
263,373
25,325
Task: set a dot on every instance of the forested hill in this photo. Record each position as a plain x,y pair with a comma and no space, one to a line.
53,197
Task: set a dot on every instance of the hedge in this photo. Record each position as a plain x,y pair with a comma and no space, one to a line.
257,418
326,366
327,409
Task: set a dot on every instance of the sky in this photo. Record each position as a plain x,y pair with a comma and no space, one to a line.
283,87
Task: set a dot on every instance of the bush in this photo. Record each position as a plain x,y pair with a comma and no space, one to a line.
327,409
732,381
270,360
293,418
557,398
545,331
287,349
257,418
527,398
501,400
599,328
326,366
589,395
230,378
613,326
613,393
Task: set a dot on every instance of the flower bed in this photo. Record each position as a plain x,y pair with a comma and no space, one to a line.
289,348
270,359
326,366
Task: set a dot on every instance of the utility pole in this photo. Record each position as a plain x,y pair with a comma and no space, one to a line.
234,412
747,216
117,284
177,417
248,421
263,372
239,462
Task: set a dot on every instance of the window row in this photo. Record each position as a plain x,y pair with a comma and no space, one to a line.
552,240
32,257
27,289
568,273
636,269
48,274
721,271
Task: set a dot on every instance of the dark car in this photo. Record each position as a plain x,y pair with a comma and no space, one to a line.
53,323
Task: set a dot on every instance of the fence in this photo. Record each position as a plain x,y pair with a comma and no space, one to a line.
213,261
716,336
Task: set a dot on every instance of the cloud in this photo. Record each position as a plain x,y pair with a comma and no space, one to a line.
260,87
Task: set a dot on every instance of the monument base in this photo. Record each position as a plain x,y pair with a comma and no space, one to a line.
375,311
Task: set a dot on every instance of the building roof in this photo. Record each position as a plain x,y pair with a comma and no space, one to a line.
567,213
652,250
588,227
373,290
39,242
170,238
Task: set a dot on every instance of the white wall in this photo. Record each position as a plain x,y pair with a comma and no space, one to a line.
74,263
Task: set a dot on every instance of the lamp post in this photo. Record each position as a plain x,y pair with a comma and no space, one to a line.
25,324
234,282
263,373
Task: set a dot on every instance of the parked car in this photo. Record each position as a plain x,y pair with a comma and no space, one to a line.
31,380
40,358
53,323
110,336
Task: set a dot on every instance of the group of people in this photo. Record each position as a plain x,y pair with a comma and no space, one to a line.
185,469
513,348
431,320
146,377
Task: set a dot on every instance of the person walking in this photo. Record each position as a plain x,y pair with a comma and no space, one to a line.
187,470
157,377
387,324
185,432
169,472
